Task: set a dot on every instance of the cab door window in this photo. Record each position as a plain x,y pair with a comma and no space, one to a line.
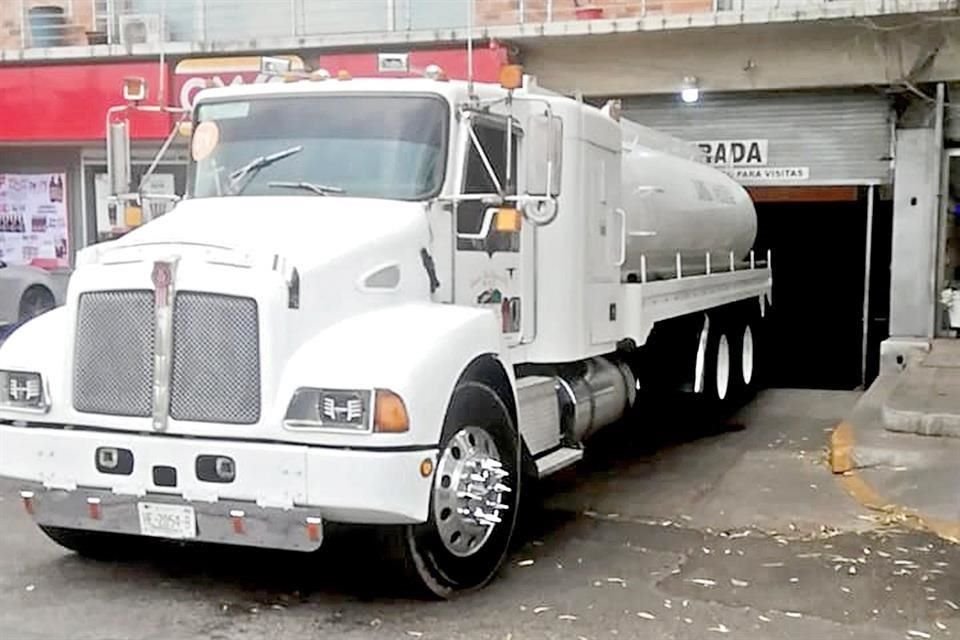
492,139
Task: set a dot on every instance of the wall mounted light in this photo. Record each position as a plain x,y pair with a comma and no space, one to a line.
690,92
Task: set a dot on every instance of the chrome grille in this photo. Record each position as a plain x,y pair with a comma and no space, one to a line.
216,356
216,359
113,361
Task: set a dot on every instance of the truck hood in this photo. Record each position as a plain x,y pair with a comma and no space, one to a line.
309,230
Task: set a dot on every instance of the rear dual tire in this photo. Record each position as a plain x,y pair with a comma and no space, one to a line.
730,365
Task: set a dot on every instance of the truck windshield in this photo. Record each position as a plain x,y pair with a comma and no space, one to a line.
370,146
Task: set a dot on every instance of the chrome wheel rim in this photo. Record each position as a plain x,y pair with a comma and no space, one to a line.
723,367
468,491
746,363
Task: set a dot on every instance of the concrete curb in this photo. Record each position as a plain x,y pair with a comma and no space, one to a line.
842,447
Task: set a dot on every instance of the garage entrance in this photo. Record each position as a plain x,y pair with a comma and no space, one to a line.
818,237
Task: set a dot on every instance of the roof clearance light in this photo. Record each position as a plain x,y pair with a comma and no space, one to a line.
343,74
134,89
511,77
435,72
690,92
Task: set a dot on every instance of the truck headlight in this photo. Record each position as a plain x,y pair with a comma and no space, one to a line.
351,410
341,409
22,390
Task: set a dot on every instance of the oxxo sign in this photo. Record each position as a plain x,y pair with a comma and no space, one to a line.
735,153
190,76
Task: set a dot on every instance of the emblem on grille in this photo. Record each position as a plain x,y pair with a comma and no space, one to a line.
162,279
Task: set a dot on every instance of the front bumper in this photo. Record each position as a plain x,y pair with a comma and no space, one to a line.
279,484
221,522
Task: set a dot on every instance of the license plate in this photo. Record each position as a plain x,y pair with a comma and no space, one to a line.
167,520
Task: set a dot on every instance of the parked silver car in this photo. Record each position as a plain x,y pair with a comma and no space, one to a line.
25,292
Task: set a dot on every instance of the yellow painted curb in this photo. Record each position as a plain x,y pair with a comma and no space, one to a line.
841,448
841,463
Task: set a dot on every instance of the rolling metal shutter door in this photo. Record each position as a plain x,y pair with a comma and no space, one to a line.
842,136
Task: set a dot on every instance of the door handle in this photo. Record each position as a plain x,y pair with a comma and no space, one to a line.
623,236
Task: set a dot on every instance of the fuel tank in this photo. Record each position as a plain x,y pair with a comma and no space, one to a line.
679,205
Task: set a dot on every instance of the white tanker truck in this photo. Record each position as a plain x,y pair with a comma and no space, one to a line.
389,302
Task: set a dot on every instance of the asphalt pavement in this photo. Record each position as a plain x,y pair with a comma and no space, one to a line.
670,528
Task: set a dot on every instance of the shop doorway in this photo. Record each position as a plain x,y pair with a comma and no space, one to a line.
818,237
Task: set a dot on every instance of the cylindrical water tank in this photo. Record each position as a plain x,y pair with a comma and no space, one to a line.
674,205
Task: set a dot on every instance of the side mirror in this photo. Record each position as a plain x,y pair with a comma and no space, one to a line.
545,145
118,157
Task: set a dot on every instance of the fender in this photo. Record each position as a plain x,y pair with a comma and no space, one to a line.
418,350
39,345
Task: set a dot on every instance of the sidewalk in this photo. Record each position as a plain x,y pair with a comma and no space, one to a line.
899,450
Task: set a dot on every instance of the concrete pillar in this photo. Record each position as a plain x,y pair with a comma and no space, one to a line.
913,299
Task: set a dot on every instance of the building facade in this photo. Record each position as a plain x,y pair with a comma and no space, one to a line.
835,114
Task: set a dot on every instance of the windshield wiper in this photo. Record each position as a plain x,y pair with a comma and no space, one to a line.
319,189
251,168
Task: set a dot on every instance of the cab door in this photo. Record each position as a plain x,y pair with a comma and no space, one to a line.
495,247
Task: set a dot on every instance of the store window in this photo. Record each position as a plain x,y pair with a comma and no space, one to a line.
108,222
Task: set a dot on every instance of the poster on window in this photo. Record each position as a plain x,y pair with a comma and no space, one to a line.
33,220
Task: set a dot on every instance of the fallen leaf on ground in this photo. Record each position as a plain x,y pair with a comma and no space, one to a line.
646,616
539,610
720,628
917,634
566,616
739,583
793,614
763,618
703,582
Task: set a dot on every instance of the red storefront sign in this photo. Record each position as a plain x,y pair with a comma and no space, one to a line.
487,62
69,102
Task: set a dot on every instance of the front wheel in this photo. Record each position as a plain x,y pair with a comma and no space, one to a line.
474,499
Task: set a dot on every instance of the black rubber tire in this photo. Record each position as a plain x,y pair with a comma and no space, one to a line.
429,567
35,301
97,545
